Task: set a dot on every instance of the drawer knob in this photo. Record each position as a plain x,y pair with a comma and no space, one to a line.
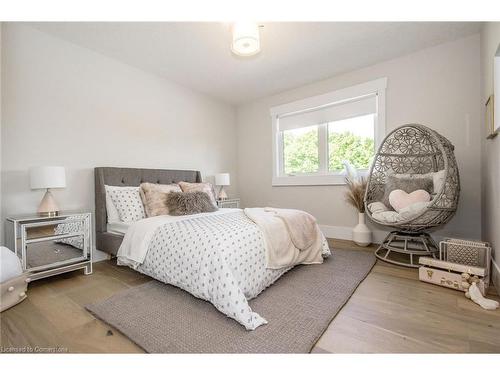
22,294
11,289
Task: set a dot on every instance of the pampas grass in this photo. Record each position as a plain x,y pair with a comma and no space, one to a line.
355,193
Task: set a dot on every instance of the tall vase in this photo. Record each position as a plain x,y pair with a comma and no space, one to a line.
361,234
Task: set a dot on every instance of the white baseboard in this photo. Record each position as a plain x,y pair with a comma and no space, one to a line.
345,233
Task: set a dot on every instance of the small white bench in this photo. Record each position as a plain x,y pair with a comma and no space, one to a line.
13,282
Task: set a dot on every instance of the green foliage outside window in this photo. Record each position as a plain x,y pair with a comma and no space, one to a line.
347,146
301,151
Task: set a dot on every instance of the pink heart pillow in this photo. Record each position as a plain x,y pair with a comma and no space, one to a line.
400,199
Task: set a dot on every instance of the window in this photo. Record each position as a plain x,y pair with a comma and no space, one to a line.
312,137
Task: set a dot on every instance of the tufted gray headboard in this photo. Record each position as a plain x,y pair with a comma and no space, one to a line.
110,242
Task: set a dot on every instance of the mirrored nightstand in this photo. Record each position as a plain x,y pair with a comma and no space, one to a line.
228,203
49,246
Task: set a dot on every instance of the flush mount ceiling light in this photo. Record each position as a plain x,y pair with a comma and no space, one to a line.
246,39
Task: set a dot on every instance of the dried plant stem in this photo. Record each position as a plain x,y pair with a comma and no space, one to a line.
355,193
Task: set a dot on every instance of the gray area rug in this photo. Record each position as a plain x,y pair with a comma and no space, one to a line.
299,307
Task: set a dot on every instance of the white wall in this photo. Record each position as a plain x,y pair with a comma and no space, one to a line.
63,104
66,105
1,218
490,41
438,87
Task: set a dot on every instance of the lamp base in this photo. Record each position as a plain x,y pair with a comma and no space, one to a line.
222,194
48,205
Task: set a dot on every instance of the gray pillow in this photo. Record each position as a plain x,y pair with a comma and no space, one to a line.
406,184
189,203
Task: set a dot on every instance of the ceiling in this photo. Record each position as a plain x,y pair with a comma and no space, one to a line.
197,54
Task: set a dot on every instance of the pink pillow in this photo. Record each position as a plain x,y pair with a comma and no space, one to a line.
400,199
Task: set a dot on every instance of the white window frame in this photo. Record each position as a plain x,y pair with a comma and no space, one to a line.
348,94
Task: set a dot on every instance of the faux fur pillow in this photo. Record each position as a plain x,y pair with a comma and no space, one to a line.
154,197
408,185
189,203
205,187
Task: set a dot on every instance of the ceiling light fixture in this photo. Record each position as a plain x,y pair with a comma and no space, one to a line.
246,39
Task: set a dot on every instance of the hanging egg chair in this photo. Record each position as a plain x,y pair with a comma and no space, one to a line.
413,151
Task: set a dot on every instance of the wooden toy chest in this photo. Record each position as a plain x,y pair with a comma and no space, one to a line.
449,274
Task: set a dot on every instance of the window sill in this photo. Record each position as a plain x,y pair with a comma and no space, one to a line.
313,180
308,180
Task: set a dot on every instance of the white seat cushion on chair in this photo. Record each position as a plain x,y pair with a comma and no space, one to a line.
392,217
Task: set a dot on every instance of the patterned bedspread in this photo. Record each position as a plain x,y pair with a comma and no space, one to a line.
220,258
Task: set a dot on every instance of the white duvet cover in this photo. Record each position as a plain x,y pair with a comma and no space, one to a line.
219,257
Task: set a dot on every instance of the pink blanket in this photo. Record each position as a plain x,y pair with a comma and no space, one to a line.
292,237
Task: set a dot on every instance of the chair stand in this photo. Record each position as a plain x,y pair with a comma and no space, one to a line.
410,246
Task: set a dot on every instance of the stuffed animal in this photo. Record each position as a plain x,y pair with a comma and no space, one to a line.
469,283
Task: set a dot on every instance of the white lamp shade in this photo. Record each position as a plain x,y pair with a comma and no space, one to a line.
47,177
246,39
222,179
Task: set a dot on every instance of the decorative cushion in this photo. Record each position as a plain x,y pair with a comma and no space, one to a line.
413,210
389,217
376,207
438,178
189,203
111,211
408,213
154,197
127,201
407,184
205,187
400,199
76,226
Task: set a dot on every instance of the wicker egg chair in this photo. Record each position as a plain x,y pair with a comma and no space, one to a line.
414,149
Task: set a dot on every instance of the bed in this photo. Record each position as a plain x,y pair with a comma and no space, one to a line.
219,256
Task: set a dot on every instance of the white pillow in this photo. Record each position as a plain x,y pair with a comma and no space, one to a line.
439,178
111,210
376,207
405,214
127,201
76,226
413,210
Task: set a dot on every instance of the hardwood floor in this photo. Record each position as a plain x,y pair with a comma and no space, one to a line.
390,312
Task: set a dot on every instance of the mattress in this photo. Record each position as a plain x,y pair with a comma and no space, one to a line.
118,227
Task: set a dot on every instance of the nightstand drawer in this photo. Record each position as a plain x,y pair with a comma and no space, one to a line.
37,230
44,253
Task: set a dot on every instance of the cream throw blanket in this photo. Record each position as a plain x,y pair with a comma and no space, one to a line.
292,237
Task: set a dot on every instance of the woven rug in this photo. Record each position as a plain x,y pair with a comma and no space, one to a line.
299,307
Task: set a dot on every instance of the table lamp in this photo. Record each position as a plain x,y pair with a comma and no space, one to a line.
222,179
47,178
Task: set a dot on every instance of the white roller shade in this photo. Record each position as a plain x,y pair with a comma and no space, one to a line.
335,112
